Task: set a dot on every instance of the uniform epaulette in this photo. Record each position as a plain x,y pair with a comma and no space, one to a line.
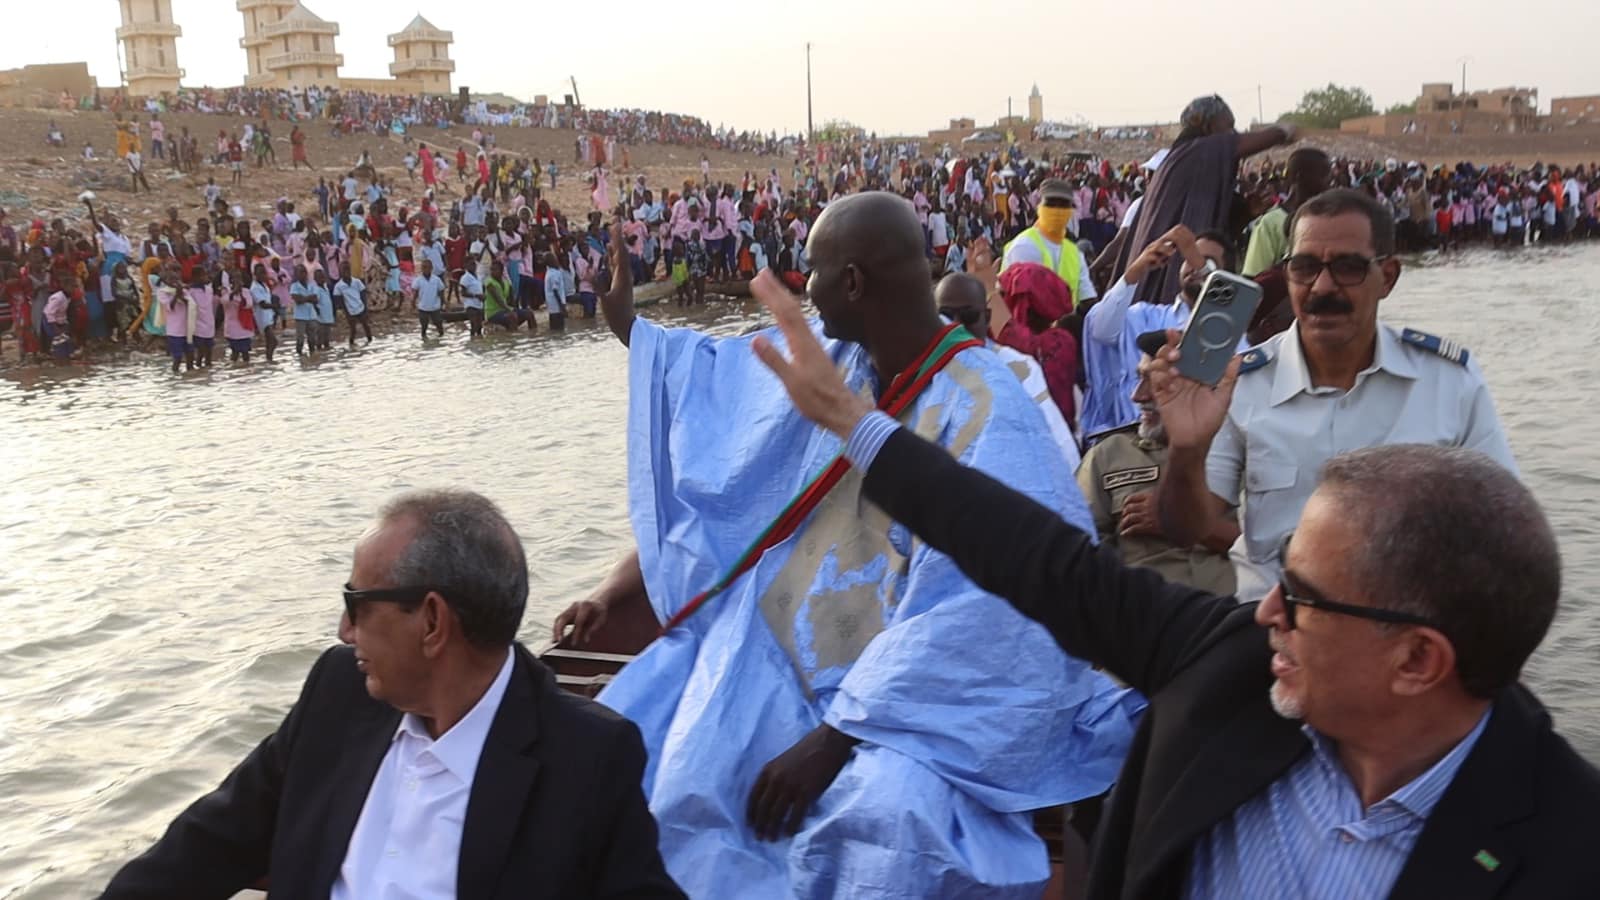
1096,437
1443,347
1253,359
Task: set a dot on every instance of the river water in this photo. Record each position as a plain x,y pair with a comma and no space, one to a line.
173,547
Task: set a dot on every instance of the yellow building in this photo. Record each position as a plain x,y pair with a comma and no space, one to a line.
1035,106
422,53
288,46
149,47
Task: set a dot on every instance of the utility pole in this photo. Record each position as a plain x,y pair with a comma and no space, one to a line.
1261,116
577,101
1008,107
811,131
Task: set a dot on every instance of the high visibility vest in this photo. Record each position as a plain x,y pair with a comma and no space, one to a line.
1069,266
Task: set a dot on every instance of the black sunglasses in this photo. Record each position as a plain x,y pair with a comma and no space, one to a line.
1348,270
966,315
1293,601
404,596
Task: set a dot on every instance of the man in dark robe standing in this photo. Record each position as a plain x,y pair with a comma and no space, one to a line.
1194,186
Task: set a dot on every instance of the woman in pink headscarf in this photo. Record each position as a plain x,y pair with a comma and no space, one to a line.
1035,302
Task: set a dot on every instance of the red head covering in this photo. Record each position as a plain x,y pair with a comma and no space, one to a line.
1031,288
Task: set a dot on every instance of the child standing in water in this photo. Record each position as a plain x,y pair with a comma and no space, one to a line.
699,263
238,321
174,301
266,308
203,300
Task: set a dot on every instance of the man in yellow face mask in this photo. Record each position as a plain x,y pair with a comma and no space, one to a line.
1050,244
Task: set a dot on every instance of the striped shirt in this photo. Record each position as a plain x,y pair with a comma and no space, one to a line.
1307,835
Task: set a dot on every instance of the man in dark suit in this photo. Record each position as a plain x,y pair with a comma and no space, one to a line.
1360,733
431,753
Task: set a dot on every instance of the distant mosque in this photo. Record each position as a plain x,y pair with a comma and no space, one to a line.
286,46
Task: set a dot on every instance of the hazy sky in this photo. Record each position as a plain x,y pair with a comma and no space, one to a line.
903,67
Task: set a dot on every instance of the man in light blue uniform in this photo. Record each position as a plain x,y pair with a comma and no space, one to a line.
1111,329
851,717
1337,380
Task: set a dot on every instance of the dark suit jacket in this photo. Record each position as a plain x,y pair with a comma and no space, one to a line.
556,809
1210,739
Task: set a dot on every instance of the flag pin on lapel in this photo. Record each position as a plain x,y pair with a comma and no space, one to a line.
1486,859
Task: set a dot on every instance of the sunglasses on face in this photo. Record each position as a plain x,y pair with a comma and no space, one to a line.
1293,600
966,315
404,596
1347,270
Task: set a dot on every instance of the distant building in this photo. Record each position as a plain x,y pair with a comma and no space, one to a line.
149,47
43,85
1035,106
422,53
1440,110
959,128
287,45
1566,111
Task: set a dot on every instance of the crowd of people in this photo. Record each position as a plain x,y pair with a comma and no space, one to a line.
353,112
1285,614
484,215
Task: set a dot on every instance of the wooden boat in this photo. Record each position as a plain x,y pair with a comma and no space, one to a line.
631,625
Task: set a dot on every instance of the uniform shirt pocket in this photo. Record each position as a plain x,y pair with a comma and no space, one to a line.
1262,475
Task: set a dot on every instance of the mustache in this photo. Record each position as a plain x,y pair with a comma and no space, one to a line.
1325,304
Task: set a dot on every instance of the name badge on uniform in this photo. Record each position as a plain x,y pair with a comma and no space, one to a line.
1113,480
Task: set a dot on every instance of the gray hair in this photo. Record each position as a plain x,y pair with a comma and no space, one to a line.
465,548
1453,537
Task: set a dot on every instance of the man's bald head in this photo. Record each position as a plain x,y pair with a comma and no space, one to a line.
874,229
963,298
867,254
958,290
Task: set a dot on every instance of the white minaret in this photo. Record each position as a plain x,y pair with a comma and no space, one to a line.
149,47
1035,106
257,44
288,46
422,51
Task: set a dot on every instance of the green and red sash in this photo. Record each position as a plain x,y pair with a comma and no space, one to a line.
904,389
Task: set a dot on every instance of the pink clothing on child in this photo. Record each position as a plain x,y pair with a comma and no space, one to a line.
55,308
177,312
205,321
231,328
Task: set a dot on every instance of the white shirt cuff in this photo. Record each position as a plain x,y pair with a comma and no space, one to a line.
868,437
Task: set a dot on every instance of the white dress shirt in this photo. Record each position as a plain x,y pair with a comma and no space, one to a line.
407,843
1281,429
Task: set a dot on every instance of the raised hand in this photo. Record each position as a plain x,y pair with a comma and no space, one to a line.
1192,412
617,303
809,376
982,265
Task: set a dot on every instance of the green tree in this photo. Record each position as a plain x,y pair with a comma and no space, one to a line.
839,129
1402,109
1327,107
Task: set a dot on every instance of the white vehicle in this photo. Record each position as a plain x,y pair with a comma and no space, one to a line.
982,137
1055,131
